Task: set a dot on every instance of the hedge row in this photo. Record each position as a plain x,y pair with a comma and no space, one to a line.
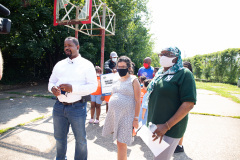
222,66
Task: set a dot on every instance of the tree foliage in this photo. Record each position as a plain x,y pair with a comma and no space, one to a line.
222,66
34,45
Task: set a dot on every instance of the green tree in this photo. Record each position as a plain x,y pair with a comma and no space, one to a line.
222,66
208,68
132,37
155,60
34,45
197,66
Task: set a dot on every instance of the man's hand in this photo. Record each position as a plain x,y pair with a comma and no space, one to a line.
56,91
66,87
114,70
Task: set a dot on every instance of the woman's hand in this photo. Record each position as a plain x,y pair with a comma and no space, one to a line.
135,123
159,132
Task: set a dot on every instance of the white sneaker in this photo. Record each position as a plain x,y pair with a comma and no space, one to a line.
91,120
96,121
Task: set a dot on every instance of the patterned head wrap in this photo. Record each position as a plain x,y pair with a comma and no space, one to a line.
174,69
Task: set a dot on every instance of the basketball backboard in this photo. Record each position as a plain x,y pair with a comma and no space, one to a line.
72,12
89,17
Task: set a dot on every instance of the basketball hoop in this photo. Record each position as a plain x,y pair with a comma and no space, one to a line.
69,14
65,12
100,23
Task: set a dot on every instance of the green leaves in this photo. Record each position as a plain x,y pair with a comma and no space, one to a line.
223,66
34,45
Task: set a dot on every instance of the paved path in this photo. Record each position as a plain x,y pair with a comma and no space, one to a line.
206,138
210,102
17,108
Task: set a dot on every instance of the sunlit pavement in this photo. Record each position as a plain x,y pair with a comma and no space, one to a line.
207,137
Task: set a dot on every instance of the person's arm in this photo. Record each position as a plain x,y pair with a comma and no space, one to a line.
106,67
1,65
102,98
52,84
52,80
187,91
143,113
144,105
91,82
178,116
137,97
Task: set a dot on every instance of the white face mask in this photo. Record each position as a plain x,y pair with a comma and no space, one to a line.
114,59
166,61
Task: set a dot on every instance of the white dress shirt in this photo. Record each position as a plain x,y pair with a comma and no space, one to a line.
79,72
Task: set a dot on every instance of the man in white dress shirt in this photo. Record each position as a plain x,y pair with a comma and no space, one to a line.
71,79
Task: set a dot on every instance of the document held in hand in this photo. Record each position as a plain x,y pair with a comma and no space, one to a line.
107,81
154,146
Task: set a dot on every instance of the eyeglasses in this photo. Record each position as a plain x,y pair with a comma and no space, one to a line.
167,54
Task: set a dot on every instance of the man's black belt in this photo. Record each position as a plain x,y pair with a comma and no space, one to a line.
83,100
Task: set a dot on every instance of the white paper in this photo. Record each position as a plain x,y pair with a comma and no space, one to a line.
154,146
107,81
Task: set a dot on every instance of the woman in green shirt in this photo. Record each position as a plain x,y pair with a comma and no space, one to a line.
171,94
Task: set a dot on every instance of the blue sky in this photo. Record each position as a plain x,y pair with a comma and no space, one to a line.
195,27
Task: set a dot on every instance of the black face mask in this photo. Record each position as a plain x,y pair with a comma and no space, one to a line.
122,72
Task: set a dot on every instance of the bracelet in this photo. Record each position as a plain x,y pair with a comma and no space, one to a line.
136,118
167,126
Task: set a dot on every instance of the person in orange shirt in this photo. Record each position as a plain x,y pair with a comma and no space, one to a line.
96,99
143,91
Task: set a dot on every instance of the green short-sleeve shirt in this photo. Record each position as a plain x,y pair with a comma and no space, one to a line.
167,96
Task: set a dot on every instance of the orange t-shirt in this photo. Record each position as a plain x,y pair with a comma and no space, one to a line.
107,98
143,91
98,91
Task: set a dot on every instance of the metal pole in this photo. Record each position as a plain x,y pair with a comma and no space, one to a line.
76,33
55,13
103,35
76,25
102,47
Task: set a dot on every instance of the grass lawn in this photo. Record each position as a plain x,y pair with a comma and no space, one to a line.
225,90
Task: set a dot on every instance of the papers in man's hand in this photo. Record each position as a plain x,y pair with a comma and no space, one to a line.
154,146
